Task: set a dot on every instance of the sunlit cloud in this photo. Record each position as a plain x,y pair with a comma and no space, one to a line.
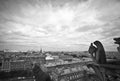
58,24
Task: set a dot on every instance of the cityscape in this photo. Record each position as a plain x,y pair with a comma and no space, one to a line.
61,66
59,40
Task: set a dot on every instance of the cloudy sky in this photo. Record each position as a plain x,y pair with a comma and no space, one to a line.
68,25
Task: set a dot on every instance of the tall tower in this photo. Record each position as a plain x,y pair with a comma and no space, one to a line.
41,51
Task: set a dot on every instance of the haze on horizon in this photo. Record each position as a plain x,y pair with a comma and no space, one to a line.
58,24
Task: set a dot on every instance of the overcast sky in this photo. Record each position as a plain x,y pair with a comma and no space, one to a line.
68,25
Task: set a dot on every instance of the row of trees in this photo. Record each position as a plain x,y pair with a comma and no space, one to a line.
39,74
14,74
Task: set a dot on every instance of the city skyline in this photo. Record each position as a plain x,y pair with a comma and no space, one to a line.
58,25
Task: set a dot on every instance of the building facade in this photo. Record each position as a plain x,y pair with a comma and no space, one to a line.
8,65
68,72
